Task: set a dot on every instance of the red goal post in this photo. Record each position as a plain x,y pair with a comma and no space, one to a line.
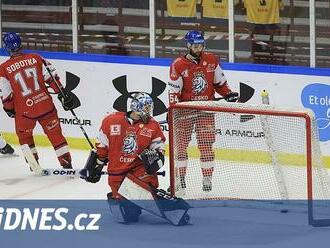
259,152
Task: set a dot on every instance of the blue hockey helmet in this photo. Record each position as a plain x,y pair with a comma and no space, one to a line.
142,104
12,42
194,37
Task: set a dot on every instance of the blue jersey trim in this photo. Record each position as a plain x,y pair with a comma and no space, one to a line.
135,60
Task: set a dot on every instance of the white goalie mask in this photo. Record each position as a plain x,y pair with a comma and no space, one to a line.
142,104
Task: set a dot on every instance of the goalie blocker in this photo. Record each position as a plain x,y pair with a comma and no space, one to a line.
138,195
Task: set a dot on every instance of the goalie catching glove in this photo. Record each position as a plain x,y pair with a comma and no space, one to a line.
232,97
152,160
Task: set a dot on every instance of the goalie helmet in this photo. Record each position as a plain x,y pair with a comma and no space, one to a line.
12,42
142,104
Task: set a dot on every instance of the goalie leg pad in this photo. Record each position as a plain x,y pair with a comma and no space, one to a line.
175,209
123,211
154,201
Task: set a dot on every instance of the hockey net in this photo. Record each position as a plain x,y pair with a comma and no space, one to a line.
261,152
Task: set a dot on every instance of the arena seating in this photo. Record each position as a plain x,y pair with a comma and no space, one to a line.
119,30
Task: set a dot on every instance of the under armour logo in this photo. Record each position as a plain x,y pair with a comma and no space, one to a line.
72,81
158,87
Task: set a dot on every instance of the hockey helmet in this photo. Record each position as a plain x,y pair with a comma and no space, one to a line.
12,42
142,104
194,37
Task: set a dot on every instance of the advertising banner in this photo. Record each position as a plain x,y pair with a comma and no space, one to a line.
108,86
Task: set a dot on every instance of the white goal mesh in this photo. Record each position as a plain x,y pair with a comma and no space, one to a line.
220,150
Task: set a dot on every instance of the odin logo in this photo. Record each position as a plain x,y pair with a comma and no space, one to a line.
158,87
75,122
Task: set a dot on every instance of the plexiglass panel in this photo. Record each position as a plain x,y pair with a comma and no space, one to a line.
42,24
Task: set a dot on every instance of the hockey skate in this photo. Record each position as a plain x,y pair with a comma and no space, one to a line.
180,186
207,183
183,182
180,183
7,150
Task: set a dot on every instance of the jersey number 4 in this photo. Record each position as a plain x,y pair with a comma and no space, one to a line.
29,73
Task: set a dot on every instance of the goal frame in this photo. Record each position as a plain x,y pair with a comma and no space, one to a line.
311,220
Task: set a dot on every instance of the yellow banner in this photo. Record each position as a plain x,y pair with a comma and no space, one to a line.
263,11
215,9
181,8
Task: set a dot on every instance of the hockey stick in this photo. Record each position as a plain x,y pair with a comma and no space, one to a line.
75,172
245,94
71,110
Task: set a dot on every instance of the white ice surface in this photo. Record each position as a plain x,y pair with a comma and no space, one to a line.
211,227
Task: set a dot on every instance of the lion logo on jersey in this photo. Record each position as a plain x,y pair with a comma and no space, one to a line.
130,144
199,83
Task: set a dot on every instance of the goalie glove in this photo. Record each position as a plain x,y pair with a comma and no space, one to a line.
95,176
232,97
66,100
152,160
93,169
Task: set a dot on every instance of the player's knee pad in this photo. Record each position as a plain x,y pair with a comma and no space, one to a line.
123,211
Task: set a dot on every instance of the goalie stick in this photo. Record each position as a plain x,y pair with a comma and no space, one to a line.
245,94
75,172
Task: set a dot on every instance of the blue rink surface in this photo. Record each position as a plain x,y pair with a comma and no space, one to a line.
229,226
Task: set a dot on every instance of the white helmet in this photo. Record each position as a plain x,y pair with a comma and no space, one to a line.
142,104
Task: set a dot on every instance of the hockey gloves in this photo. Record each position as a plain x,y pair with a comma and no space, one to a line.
232,97
93,168
66,100
95,175
10,112
152,160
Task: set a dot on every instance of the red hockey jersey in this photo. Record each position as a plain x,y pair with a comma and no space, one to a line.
23,80
121,141
192,81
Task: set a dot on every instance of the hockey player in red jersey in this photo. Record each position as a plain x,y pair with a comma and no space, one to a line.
123,136
24,80
132,146
197,76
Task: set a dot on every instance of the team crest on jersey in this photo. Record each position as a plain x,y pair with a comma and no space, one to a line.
199,83
130,144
